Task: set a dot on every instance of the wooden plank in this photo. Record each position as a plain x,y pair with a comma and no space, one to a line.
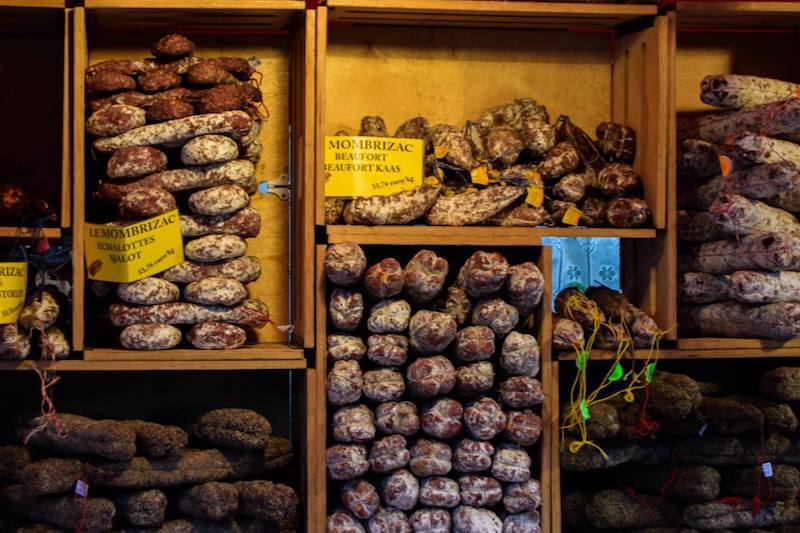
482,13
667,270
715,343
80,58
156,18
11,232
732,14
247,352
66,125
640,101
471,235
321,411
321,119
303,186
610,355
40,4
78,365
310,452
544,335
554,427
227,5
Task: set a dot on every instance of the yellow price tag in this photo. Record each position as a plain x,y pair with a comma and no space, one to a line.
533,177
123,254
480,176
535,196
13,282
439,173
572,216
431,180
372,166
440,152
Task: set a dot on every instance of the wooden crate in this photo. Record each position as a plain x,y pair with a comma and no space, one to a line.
736,38
36,155
456,255
282,396
446,60
281,35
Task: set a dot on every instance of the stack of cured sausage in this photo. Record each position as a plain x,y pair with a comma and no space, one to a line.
742,277
182,131
432,393
85,474
479,174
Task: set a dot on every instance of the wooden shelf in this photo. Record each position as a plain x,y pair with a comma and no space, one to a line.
720,343
267,351
471,235
486,13
57,4
675,354
610,355
728,15
10,232
80,365
228,5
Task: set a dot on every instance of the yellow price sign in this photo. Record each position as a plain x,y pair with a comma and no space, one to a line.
123,254
372,166
535,196
572,216
13,282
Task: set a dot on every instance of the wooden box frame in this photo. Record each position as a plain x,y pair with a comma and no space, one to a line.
27,23
542,331
269,18
376,37
740,37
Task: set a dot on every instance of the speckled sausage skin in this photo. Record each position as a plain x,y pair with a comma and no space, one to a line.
431,332
483,274
238,172
212,248
244,269
472,207
176,132
389,316
220,200
150,337
135,162
216,336
496,314
109,83
114,120
345,263
145,203
345,347
215,291
208,149
627,212
525,287
398,208
245,223
346,309
559,161
384,279
158,80
171,46
425,275
249,313
148,291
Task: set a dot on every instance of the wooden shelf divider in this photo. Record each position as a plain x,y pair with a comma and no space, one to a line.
734,14
486,13
471,235
79,365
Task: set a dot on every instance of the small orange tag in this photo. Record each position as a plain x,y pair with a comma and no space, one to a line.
431,180
535,196
440,151
726,164
797,93
471,189
572,216
439,173
533,177
480,176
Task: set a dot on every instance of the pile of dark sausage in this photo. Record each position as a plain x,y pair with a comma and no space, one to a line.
178,130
